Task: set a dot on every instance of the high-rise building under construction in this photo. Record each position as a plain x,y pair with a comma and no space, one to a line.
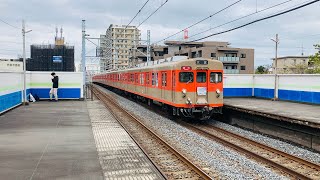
52,57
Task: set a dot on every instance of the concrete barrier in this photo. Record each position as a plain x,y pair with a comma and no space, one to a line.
291,87
37,83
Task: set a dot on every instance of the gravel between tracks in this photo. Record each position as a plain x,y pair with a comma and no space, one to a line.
277,144
228,163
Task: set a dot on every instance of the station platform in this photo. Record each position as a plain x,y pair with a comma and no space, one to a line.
304,114
48,140
68,140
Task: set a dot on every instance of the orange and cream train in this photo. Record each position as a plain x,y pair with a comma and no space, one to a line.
188,87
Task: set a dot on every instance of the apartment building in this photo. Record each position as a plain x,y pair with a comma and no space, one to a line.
235,60
156,52
116,45
292,64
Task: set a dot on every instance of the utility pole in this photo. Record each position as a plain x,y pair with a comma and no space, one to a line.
276,68
83,60
148,46
24,62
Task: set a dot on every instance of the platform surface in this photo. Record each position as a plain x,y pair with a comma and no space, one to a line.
48,140
304,112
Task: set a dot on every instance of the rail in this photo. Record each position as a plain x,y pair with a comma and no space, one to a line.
193,169
292,165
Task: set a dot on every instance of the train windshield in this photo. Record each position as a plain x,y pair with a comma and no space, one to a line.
186,77
215,77
201,77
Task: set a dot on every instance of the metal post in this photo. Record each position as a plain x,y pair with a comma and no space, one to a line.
24,62
148,46
276,69
83,60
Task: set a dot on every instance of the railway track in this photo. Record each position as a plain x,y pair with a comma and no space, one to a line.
166,158
292,165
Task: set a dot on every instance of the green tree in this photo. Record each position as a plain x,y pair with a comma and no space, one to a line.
263,69
314,61
260,70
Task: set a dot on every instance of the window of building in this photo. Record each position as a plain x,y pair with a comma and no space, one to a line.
201,77
243,67
215,77
199,53
243,55
186,77
234,67
213,55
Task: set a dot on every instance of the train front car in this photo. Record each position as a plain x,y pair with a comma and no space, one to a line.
199,90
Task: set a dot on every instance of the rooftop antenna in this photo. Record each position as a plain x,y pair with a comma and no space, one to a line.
302,49
56,32
61,30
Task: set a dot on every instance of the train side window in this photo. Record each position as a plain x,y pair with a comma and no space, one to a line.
215,77
147,78
142,78
153,79
186,77
164,79
201,77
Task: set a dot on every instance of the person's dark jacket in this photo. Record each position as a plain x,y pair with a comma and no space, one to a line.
55,82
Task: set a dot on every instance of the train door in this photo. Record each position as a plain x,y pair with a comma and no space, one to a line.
201,85
163,84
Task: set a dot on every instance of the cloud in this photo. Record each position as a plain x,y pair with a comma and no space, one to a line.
42,17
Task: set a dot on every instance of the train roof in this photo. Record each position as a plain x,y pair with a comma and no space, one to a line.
163,63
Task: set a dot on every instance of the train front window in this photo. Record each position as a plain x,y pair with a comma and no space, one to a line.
201,77
215,77
186,77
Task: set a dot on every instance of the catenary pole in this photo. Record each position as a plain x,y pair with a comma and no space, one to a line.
24,62
276,68
83,60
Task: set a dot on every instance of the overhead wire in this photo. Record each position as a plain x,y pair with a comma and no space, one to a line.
137,13
273,6
204,19
9,24
152,13
255,21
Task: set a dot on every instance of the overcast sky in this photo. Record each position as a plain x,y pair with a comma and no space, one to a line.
297,28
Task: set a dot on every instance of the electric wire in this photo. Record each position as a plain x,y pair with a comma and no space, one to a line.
255,21
9,24
137,13
152,13
204,19
276,5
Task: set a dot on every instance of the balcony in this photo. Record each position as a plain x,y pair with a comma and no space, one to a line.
231,71
229,59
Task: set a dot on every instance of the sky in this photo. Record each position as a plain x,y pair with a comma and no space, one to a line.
297,29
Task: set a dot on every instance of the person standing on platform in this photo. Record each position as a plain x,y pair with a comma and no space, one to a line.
55,86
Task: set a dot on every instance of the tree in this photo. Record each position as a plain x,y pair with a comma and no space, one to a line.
260,70
314,61
263,69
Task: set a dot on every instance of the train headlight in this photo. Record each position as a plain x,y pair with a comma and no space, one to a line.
188,101
184,92
218,92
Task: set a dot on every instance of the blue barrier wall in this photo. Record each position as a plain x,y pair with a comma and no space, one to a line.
10,100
